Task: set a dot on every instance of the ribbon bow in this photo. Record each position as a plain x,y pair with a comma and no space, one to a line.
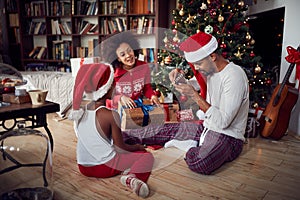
294,57
145,109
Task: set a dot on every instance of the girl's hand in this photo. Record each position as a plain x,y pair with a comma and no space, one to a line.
127,101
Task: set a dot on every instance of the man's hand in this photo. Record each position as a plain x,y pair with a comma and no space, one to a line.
186,89
177,76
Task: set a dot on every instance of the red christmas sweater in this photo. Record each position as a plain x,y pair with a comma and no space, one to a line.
134,83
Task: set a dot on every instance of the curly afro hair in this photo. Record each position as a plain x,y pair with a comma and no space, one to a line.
110,45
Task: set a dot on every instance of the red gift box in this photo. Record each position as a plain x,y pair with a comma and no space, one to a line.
170,111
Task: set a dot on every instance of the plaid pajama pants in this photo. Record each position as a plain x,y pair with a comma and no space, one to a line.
216,149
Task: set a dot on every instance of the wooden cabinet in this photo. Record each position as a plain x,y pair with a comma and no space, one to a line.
53,31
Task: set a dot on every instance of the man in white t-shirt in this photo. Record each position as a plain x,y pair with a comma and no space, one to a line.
225,107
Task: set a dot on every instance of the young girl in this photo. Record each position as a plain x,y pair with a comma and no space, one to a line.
101,151
132,76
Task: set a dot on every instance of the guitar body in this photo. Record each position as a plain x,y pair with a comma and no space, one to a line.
275,118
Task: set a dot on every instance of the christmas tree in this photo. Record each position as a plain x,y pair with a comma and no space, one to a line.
228,22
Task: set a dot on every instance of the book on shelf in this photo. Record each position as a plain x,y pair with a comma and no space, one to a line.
147,55
55,29
60,8
61,49
142,6
34,52
87,8
93,48
42,53
35,9
140,25
13,19
85,29
81,52
67,26
11,5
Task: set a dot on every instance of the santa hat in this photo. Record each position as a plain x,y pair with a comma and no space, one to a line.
198,46
94,80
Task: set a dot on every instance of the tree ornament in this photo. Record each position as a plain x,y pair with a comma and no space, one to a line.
268,81
203,6
238,54
223,45
179,5
166,39
255,105
176,38
198,31
208,29
168,60
252,42
191,19
248,36
220,18
224,54
257,69
241,3
181,12
173,22
252,54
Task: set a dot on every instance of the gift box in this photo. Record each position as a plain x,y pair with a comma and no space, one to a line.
12,98
171,111
185,115
144,114
253,125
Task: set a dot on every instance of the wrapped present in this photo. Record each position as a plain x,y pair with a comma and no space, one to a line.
12,98
253,125
185,115
170,111
144,114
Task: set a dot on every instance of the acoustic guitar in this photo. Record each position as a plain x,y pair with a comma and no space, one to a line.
275,118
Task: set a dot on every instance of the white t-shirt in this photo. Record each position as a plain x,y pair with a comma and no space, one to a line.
228,94
92,148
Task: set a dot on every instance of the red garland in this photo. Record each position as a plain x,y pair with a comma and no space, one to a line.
294,57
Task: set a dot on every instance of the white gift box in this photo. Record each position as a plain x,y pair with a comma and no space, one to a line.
75,63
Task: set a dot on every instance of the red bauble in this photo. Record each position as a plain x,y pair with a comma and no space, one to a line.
269,82
224,54
183,98
223,45
252,54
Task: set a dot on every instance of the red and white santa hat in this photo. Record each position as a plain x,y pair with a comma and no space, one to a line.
94,80
198,46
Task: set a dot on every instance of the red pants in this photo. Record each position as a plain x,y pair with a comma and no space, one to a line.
139,162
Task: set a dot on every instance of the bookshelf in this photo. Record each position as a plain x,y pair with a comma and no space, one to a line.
50,32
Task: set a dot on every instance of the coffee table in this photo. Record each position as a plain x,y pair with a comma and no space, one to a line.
36,115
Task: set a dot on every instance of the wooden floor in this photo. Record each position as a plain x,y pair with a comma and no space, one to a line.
265,170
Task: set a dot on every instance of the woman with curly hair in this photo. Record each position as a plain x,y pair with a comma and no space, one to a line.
132,76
